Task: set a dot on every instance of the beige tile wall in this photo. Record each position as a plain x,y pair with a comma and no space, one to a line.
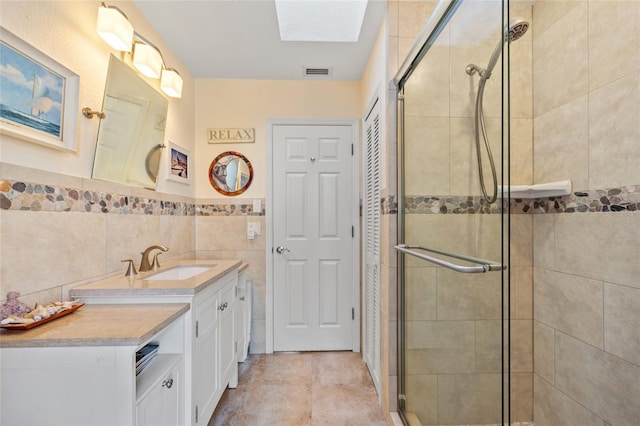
43,254
586,275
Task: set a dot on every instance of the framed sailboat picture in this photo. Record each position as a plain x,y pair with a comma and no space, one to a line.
38,96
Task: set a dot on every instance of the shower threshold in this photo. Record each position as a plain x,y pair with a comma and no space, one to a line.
413,421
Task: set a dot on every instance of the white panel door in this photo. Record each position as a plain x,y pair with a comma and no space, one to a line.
312,236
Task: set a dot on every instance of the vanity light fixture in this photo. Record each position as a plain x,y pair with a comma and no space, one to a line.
171,83
147,59
115,29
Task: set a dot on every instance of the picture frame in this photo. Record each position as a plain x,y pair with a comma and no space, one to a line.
179,164
39,97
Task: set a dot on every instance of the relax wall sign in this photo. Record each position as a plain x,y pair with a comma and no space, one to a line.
231,135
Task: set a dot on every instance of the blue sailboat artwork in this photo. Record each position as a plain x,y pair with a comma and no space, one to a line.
30,94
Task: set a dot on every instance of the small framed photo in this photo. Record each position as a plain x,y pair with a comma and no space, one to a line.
39,96
179,164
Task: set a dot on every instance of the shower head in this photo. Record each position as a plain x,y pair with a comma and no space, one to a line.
516,29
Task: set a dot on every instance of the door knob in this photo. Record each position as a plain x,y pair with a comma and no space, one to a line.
281,249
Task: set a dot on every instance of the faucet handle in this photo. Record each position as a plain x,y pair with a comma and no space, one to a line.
156,264
131,269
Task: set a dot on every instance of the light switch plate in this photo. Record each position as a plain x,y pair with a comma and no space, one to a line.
257,228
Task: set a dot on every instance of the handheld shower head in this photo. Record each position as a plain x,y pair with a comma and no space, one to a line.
513,32
517,28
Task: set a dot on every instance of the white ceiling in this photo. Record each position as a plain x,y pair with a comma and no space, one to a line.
240,39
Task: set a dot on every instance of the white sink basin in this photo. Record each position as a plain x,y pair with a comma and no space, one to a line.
182,272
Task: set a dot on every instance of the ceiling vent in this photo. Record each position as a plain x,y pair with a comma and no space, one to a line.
314,72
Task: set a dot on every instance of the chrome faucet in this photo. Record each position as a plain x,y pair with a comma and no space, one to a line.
145,265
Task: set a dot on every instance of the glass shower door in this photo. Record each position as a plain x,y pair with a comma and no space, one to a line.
454,243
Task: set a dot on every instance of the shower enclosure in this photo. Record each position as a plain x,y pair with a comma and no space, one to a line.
454,222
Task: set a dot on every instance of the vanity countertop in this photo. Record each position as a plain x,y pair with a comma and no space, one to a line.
139,285
98,325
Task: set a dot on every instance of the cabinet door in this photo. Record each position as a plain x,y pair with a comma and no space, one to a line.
240,320
163,404
227,333
205,373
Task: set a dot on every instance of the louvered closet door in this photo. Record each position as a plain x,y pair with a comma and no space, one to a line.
372,245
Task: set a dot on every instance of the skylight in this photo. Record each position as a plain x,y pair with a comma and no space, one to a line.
320,20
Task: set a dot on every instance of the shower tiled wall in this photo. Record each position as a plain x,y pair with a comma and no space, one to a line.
587,266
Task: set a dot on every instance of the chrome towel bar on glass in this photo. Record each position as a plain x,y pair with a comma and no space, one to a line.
481,264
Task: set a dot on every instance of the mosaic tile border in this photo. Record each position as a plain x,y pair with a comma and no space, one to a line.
625,198
449,205
389,204
227,210
25,196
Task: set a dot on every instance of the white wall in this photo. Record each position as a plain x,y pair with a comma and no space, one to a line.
250,103
65,31
234,103
45,249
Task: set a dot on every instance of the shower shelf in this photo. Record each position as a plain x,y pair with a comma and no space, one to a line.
539,190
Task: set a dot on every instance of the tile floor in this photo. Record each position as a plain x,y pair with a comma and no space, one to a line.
302,388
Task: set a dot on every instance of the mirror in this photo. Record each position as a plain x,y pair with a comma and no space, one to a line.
130,138
230,173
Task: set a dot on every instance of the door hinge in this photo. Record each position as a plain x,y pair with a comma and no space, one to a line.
401,397
353,313
196,328
352,149
236,290
235,350
196,414
353,231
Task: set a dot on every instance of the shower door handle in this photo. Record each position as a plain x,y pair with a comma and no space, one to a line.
480,266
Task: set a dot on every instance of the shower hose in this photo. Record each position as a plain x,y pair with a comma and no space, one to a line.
480,129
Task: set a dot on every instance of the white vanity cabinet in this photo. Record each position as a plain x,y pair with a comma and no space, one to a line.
214,365
210,361
81,369
243,316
